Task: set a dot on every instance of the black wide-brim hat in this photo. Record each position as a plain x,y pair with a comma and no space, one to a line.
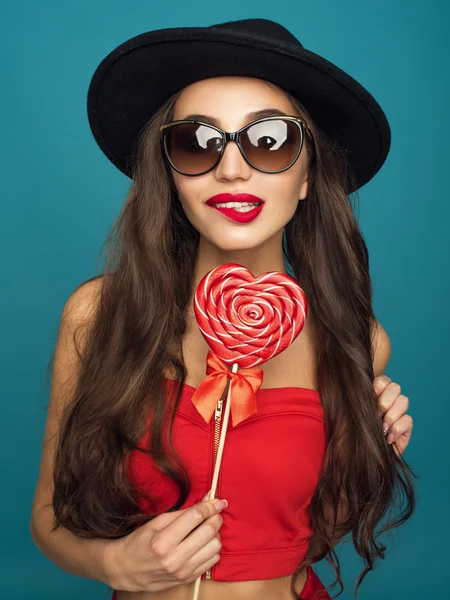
140,75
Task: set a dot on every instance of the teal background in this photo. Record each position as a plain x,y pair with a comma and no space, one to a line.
60,195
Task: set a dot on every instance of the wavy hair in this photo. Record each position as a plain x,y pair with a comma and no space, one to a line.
136,337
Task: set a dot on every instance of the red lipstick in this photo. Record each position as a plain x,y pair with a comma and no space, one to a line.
232,213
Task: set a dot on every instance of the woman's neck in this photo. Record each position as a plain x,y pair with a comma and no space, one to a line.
258,260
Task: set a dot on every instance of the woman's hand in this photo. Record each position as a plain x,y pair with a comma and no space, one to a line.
172,549
392,406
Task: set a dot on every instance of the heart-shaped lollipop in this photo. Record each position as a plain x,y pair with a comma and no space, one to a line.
248,320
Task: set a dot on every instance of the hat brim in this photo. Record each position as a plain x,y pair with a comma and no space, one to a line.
136,78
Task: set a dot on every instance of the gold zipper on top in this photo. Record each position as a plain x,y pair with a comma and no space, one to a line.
217,420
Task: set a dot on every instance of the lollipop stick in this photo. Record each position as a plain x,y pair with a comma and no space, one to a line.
223,433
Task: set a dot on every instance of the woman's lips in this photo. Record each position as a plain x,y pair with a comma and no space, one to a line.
232,213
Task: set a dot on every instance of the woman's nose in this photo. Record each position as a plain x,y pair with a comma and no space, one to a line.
232,164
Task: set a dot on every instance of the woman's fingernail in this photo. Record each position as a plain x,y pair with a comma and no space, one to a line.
385,428
221,504
390,438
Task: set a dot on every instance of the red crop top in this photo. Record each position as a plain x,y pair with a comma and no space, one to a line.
270,468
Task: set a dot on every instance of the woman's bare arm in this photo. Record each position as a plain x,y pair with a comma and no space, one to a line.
79,556
82,557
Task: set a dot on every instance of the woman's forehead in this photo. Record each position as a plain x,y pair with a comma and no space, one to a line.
228,97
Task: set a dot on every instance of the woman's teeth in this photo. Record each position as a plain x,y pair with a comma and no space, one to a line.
239,206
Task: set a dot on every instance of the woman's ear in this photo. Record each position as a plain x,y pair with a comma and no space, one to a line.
303,189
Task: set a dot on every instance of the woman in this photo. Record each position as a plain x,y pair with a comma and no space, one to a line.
121,501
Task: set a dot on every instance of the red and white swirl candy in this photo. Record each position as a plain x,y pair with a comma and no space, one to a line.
248,320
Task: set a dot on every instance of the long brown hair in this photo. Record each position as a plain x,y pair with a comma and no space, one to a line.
135,338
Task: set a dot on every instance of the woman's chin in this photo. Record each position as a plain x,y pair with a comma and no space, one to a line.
237,248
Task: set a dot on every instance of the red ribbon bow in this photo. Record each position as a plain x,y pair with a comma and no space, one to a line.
244,385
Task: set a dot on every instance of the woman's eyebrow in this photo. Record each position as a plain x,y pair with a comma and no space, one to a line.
249,117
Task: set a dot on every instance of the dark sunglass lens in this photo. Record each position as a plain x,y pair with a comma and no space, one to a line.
272,145
192,148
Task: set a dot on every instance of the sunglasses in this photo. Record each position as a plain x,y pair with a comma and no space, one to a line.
269,145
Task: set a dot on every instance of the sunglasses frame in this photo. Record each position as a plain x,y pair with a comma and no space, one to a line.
234,137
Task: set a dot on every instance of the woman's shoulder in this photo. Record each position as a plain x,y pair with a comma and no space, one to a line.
86,295
83,302
381,348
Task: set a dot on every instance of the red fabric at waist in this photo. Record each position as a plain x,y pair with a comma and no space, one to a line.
258,564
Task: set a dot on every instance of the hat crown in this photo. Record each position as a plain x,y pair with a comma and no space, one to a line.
259,27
